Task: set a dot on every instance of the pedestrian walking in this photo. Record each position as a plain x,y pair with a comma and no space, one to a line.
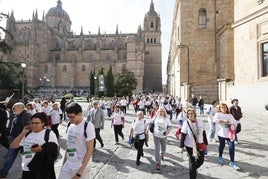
79,147
139,133
224,122
193,137
236,111
3,130
40,148
211,111
56,118
96,117
162,127
201,104
118,121
21,119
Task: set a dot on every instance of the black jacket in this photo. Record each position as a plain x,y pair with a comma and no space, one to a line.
42,165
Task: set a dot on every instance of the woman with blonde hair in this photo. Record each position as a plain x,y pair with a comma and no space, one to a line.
225,123
162,127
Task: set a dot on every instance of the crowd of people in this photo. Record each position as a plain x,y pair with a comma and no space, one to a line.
34,131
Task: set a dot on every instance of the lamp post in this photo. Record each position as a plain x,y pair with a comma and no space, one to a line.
45,80
23,65
188,59
95,86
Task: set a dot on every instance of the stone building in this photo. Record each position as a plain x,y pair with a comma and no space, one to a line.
227,46
201,48
58,59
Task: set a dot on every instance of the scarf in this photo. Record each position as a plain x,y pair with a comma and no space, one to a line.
196,134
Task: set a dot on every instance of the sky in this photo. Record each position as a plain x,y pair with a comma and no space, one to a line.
106,14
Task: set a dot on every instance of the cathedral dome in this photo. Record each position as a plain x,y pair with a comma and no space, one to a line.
58,11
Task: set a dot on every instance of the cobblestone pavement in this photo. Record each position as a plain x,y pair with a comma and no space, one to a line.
119,161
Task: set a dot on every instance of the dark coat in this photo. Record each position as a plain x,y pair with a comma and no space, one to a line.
42,165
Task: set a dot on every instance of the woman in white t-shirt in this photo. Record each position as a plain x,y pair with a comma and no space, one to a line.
39,150
162,127
224,120
139,133
193,133
56,118
118,121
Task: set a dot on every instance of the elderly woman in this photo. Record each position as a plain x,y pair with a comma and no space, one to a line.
224,124
40,148
193,135
162,127
139,132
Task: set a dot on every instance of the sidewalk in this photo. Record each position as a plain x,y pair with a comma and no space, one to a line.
119,161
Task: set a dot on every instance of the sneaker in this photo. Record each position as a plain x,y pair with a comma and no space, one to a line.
138,162
220,160
234,165
102,145
157,167
236,142
162,157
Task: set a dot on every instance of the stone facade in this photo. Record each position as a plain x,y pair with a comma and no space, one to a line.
201,48
53,52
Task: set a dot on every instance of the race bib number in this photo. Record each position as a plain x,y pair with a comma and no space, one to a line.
27,156
72,153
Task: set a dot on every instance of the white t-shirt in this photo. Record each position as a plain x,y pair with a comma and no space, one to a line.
31,139
55,116
117,117
222,129
160,126
47,110
139,127
189,139
76,144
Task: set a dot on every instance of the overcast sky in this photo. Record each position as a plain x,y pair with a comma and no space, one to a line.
106,14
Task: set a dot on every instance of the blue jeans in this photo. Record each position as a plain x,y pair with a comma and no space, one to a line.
10,158
231,147
212,126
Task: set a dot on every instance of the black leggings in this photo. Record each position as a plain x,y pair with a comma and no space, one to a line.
118,131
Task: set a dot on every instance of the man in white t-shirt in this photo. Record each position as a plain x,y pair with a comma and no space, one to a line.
80,141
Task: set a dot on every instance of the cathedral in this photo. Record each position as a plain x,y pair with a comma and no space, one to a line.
57,59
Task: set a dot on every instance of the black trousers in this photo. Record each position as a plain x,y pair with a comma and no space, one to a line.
139,146
193,163
98,137
118,131
55,129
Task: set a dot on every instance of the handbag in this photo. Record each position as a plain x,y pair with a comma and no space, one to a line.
201,147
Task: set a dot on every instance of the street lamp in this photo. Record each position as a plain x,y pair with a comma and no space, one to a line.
95,86
45,80
188,59
23,65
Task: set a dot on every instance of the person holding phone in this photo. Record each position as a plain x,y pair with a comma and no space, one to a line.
38,154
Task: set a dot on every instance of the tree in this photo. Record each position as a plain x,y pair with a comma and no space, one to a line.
125,83
4,47
9,75
109,82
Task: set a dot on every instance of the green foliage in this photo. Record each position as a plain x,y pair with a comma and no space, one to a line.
109,83
4,47
125,83
10,78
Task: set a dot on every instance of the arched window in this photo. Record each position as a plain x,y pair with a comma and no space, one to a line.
83,68
152,24
64,68
151,40
202,18
148,40
154,40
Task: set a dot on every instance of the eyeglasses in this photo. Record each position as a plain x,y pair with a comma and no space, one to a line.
71,117
190,113
35,123
95,104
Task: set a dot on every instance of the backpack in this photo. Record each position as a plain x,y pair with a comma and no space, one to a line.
85,128
46,138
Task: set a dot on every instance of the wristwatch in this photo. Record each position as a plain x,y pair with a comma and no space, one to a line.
77,174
